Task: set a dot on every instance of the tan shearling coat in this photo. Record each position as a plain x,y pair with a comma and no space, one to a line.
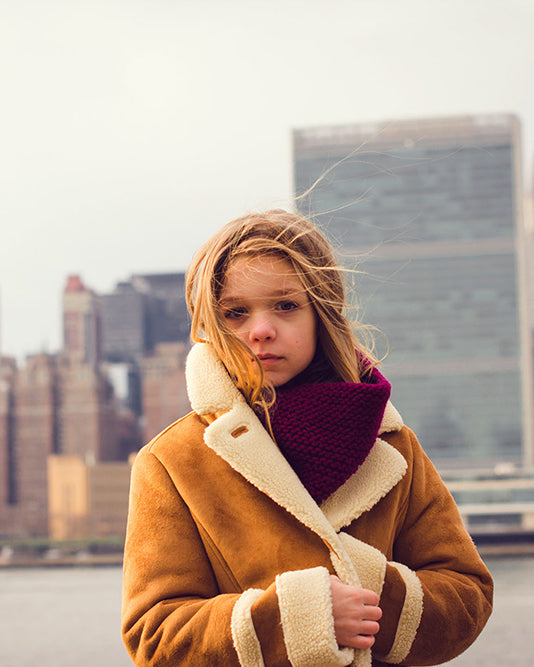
228,557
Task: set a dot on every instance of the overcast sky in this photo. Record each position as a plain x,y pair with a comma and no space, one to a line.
131,130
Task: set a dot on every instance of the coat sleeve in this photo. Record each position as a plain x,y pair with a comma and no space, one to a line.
436,593
174,614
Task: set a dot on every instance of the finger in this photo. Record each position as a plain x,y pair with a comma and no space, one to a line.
362,641
369,597
372,613
369,628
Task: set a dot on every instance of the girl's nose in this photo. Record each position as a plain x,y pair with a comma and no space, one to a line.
261,328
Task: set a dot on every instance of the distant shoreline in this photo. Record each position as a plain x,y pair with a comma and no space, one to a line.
501,550
91,560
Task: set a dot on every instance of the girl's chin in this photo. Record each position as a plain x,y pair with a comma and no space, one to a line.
277,379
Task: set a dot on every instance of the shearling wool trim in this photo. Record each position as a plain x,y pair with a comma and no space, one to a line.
370,563
391,421
365,488
205,395
246,642
307,621
410,616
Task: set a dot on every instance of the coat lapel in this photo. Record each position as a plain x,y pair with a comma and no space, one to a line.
240,439
383,468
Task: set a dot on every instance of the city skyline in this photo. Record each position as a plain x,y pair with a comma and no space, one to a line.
68,416
132,132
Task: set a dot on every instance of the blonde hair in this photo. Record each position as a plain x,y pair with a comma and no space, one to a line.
295,239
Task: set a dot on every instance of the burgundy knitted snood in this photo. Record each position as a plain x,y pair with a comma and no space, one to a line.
326,430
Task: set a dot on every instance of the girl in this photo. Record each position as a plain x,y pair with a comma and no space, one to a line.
291,518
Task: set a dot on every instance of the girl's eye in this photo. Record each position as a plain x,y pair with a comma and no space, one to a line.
287,305
234,313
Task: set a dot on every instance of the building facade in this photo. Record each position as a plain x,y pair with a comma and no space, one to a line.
86,414
428,215
124,327
142,312
86,500
31,437
82,322
164,389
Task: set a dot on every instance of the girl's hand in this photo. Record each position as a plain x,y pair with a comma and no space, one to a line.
356,614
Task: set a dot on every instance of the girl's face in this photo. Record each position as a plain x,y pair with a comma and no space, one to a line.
264,304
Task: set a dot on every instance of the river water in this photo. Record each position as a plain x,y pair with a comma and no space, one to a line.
69,617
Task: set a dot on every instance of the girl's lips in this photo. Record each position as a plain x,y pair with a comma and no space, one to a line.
268,359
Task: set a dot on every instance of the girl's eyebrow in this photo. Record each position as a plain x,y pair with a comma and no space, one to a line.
275,294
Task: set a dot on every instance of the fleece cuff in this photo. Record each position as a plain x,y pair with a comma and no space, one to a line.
244,636
307,621
410,616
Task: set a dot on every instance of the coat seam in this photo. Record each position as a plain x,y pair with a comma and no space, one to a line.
211,548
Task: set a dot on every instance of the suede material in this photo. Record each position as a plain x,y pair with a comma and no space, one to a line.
392,598
447,583
268,625
199,534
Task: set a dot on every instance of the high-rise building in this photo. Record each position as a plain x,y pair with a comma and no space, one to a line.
86,414
428,212
142,312
124,324
31,436
166,311
164,390
81,322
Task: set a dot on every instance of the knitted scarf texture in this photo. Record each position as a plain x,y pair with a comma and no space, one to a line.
326,430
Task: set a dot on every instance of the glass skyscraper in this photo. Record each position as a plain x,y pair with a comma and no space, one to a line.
427,214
